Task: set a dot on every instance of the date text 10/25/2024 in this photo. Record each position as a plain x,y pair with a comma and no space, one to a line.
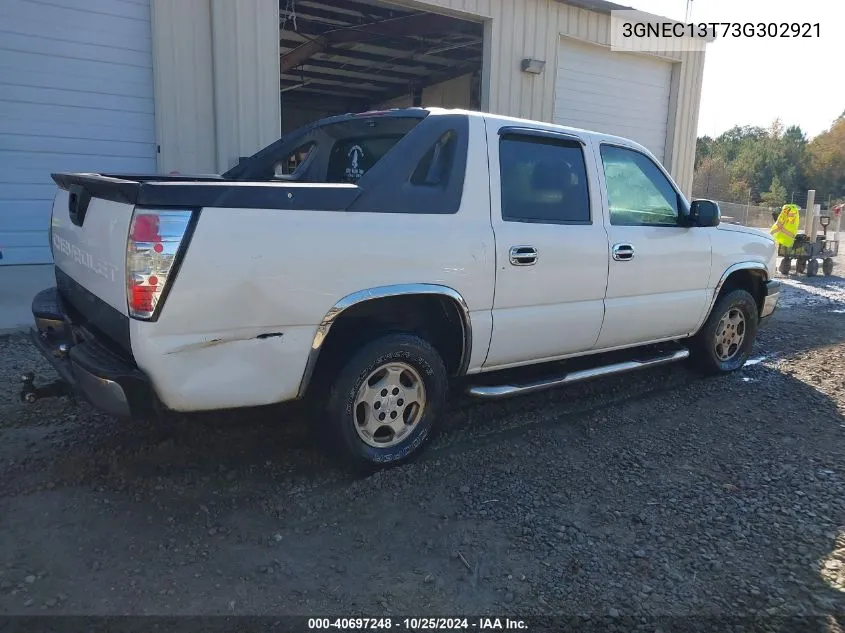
417,624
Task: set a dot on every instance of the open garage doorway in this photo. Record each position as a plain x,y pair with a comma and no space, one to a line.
341,56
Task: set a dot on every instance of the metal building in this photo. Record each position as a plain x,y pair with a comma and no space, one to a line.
191,85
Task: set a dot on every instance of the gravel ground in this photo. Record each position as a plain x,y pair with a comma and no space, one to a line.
653,494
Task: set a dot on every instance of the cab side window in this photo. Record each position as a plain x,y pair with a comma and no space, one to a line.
638,193
543,181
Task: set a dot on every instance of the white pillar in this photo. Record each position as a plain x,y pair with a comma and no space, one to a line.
245,51
808,218
817,211
184,86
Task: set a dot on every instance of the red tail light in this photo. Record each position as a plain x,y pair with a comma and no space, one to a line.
145,228
155,238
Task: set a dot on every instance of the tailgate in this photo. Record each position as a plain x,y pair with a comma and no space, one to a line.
88,236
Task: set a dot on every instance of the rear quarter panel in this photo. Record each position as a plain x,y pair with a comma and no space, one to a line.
249,272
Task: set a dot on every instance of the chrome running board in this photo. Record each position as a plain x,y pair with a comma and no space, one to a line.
494,392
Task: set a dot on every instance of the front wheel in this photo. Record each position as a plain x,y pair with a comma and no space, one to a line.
724,343
383,404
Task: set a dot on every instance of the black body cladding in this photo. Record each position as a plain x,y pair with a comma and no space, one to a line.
88,311
221,194
385,188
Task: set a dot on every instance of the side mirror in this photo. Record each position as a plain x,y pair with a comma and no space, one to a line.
705,213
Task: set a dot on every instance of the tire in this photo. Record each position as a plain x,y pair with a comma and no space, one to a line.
812,268
801,265
785,265
344,413
827,266
703,349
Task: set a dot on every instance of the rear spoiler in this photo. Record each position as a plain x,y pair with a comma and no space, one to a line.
190,192
120,187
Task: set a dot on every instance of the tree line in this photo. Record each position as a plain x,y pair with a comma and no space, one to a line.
771,167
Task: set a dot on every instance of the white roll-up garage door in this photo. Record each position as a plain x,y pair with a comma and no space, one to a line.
615,93
76,94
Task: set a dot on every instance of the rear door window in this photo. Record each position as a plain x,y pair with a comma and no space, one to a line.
544,181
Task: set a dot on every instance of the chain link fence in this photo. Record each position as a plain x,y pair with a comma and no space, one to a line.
761,218
747,215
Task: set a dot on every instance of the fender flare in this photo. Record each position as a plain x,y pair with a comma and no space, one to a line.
383,292
731,270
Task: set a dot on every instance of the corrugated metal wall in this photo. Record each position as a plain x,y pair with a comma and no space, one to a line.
217,81
246,70
532,28
206,121
76,94
184,109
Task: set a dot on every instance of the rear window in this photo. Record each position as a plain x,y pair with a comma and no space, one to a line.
352,158
340,152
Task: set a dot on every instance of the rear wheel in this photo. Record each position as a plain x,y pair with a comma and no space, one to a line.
801,265
812,268
725,342
827,266
382,405
785,265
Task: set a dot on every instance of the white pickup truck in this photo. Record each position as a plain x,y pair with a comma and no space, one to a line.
367,262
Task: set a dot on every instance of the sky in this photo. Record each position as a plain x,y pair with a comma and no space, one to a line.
753,81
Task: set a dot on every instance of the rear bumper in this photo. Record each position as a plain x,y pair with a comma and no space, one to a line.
110,382
770,301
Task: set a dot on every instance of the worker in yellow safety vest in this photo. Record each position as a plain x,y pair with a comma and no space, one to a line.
785,227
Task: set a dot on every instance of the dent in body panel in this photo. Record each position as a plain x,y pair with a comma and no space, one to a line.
206,341
221,371
310,260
